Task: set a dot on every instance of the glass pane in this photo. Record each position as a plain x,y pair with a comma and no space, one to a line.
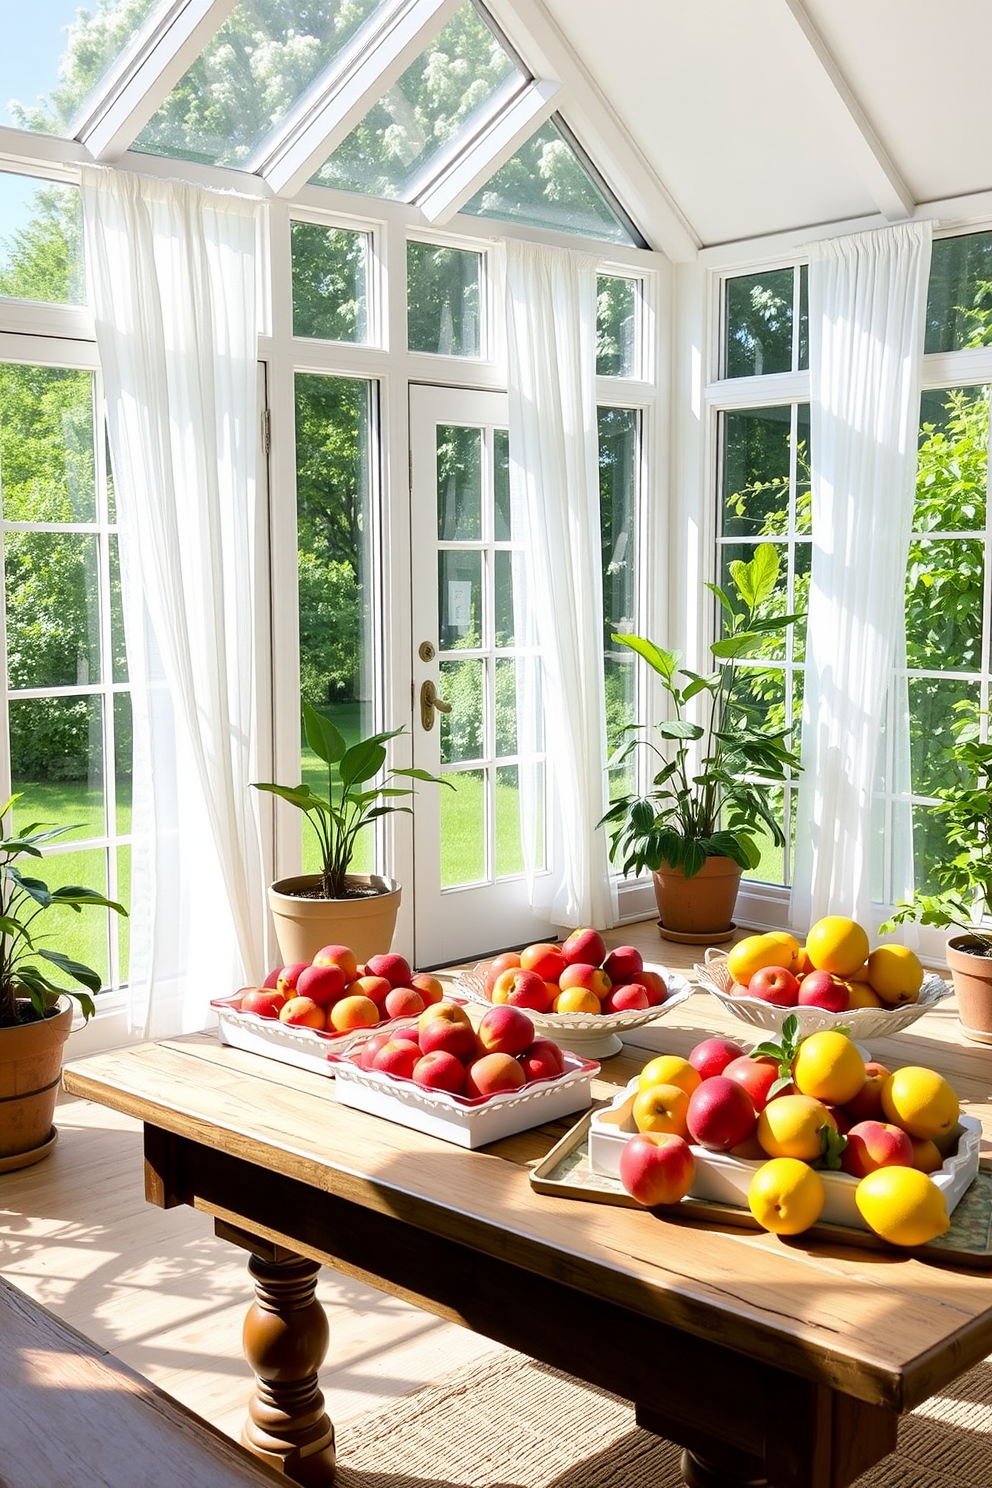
503,598
333,521
959,298
952,464
774,647
83,936
121,924
243,84
759,323
459,599
509,845
443,299
803,316
123,749
616,326
330,282
55,57
47,459
447,91
461,683
53,634
804,502
501,483
41,241
118,650
771,868
931,723
56,761
619,430
459,483
944,600
930,846
506,705
802,557
756,462
547,184
463,829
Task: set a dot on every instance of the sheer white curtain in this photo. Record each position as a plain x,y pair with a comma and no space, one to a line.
867,303
172,279
558,585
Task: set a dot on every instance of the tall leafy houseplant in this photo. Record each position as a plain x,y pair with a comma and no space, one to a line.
709,795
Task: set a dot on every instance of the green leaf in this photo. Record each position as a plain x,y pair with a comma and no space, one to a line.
79,973
755,581
326,741
665,663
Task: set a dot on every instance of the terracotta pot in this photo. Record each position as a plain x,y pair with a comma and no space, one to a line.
700,906
30,1071
972,978
303,925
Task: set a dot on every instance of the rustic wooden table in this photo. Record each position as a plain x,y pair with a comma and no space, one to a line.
770,1361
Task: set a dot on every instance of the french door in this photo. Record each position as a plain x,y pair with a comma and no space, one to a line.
471,859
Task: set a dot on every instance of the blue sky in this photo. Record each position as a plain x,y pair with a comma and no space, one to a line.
33,41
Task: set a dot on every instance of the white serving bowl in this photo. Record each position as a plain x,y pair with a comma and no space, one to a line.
863,1023
593,1035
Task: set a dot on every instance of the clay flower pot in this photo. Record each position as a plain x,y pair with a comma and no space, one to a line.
30,1073
700,908
971,973
304,922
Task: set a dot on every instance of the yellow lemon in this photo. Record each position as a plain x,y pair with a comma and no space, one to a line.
860,995
755,952
792,947
789,1126
661,1108
828,1067
786,1196
920,1101
896,974
902,1205
669,1069
837,944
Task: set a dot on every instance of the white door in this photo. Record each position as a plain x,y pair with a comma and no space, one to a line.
471,895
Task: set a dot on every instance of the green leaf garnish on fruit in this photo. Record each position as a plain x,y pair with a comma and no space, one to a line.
832,1144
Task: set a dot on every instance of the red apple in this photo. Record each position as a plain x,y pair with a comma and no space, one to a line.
492,1074
867,1104
338,955
657,1169
585,945
774,984
622,964
547,960
522,988
440,1071
712,1056
397,1057
272,980
286,980
657,987
720,1114
302,1012
403,1002
265,1001
876,1144
542,1060
822,989
396,969
505,1030
628,997
325,984
756,1076
505,961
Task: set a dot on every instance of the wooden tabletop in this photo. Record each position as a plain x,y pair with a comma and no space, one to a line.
876,1325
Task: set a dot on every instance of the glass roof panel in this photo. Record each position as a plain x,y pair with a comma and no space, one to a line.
248,77
55,56
548,184
450,83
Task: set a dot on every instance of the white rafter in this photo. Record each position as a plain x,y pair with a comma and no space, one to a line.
876,167
375,57
451,181
146,72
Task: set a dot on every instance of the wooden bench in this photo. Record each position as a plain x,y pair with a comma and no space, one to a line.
71,1413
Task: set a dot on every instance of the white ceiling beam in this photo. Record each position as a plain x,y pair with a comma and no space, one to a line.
146,73
453,181
376,56
534,34
875,166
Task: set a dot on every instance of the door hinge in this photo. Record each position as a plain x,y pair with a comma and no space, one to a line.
266,430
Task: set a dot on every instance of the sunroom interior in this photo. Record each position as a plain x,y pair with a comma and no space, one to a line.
302,486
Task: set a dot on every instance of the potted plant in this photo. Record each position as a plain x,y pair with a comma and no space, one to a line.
336,905
964,878
696,828
35,1010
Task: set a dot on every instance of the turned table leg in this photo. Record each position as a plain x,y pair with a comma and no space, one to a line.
285,1339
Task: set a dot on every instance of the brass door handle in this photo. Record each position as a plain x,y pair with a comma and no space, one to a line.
429,703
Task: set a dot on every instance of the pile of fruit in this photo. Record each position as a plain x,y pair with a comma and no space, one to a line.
333,993
835,970
798,1107
443,1051
578,976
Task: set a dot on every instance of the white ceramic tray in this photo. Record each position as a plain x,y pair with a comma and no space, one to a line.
863,1023
725,1179
455,1118
306,1048
595,1035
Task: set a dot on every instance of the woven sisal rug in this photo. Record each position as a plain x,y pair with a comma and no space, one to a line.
506,1422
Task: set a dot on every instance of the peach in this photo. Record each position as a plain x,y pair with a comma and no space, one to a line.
542,1060
325,984
265,1001
625,998
875,1144
351,1012
370,1047
272,980
756,1076
926,1155
584,974
661,1108
286,980
712,1056
440,1071
302,1012
547,960
446,1026
657,1168
403,1002
428,986
375,987
577,1000
398,1056
585,945
492,1074
521,988
622,964
656,985
505,1030
866,1105
395,968
720,1114
338,955
506,961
